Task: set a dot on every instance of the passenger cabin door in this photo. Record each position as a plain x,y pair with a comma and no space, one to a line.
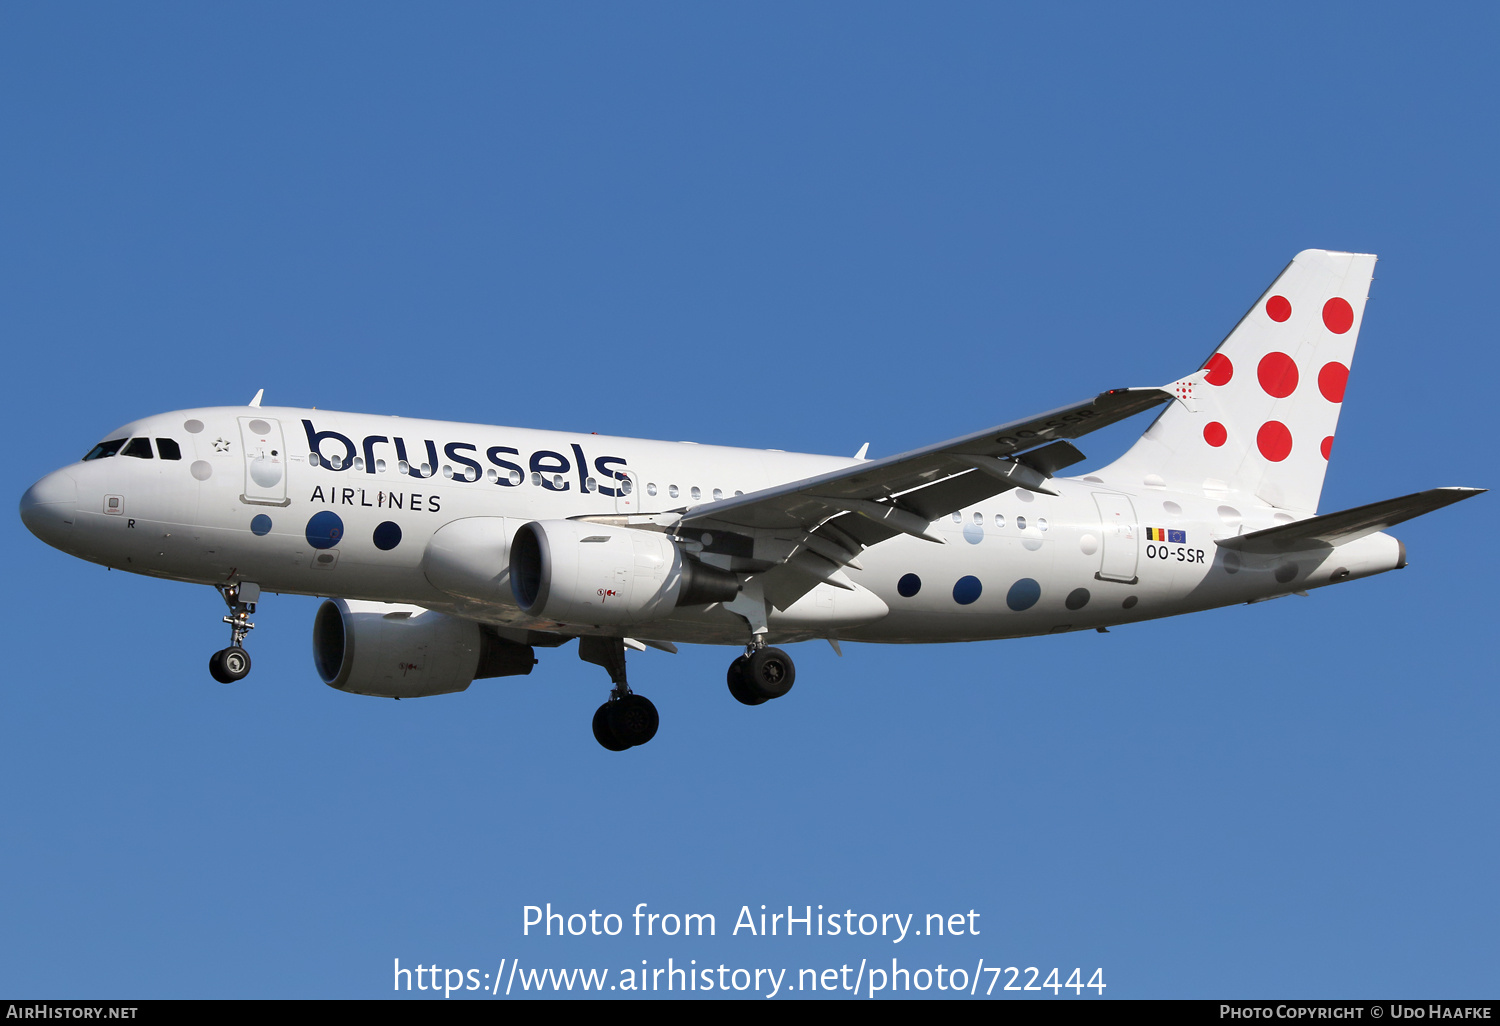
1121,538
265,462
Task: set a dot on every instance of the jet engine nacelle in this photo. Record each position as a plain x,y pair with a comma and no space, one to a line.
396,651
572,571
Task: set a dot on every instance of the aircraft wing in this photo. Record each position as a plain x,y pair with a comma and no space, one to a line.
905,493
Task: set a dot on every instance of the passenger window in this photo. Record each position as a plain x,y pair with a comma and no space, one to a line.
104,449
168,449
140,448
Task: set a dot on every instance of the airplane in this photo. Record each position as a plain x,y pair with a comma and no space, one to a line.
448,552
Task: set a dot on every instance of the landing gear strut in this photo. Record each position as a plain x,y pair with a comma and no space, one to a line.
761,674
231,664
626,719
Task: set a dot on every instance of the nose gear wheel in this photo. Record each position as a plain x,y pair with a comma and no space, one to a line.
233,663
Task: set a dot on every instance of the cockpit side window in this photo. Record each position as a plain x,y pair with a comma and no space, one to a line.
168,449
104,449
137,447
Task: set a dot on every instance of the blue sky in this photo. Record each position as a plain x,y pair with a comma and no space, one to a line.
793,226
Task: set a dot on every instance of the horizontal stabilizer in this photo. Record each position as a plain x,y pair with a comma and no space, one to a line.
1332,529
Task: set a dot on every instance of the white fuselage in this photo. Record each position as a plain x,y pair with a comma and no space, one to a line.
241,504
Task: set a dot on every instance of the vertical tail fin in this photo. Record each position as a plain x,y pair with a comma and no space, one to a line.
1257,421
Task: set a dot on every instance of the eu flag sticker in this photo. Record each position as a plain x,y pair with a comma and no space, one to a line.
1177,537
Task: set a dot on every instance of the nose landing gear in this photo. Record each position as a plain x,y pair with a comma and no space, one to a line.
233,663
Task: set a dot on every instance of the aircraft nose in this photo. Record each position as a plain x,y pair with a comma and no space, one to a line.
49,507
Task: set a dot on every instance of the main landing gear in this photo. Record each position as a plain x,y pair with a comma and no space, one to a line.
627,719
231,664
761,674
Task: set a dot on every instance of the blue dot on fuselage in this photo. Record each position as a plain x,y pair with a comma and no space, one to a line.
1023,594
967,590
387,536
261,525
324,530
908,585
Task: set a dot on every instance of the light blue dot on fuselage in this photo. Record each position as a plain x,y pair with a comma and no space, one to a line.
1023,594
261,525
324,530
967,590
973,534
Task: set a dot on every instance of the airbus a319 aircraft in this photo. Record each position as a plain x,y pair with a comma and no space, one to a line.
450,552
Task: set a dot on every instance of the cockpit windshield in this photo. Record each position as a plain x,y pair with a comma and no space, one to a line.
104,449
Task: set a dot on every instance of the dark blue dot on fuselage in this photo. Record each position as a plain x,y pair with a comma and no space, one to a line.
1023,594
909,585
387,536
324,530
261,525
967,590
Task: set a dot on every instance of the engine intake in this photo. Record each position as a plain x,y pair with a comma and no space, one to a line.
396,651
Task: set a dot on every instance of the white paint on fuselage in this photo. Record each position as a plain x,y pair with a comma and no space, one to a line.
172,524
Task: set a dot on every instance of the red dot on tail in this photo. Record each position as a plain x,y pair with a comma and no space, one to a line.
1278,309
1274,441
1338,315
1331,381
1327,446
1278,374
1220,370
1214,433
